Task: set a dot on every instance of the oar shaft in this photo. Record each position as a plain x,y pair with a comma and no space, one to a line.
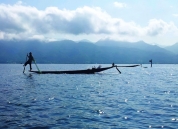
36,66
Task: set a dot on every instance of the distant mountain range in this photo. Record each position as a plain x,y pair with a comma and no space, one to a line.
173,48
101,52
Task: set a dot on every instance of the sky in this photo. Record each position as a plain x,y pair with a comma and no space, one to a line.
151,21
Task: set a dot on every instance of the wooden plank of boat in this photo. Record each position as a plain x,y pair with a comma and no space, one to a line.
86,71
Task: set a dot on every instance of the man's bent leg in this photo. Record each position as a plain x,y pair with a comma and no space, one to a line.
30,66
24,66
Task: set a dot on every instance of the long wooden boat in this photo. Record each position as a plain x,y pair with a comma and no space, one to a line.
85,71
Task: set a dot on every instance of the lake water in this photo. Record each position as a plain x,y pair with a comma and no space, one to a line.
139,98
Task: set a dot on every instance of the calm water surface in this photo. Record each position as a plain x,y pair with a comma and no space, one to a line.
139,98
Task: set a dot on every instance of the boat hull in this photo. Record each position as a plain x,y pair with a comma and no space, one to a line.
87,71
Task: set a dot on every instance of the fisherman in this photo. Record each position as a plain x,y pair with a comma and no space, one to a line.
29,61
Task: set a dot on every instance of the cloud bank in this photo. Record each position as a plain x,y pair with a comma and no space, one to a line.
25,22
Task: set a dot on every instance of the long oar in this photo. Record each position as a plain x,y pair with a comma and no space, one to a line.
24,66
37,66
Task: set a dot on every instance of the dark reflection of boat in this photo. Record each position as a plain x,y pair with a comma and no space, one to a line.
85,71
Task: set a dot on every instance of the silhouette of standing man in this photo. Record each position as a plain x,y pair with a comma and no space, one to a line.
29,61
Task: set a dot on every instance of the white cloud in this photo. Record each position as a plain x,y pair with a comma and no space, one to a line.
19,2
175,15
86,20
120,5
1,35
159,27
26,22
